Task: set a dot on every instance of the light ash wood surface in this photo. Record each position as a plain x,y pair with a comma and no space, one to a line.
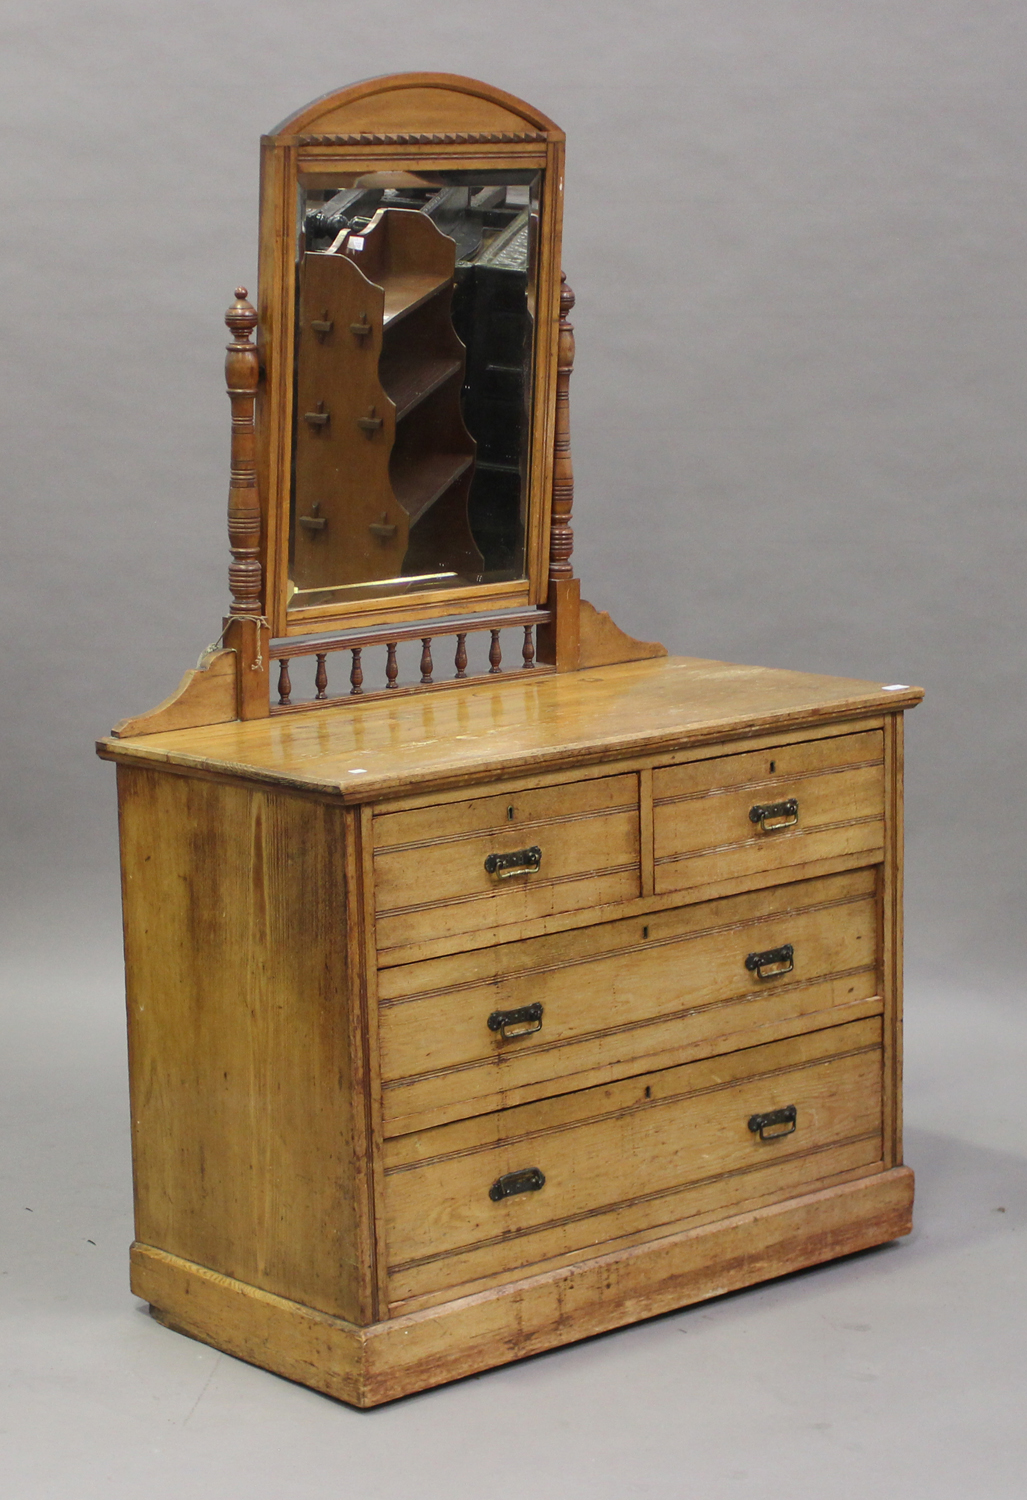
246,1040
476,733
637,1155
319,1105
367,1366
630,995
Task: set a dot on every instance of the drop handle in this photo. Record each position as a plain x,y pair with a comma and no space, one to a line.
371,423
772,962
519,862
764,1125
774,815
527,1180
520,1022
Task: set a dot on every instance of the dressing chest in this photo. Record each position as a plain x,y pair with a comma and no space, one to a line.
474,1010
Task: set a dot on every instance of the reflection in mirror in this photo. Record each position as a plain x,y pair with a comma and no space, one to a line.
414,341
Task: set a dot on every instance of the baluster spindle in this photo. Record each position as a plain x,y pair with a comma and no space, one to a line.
391,665
528,650
321,675
284,682
427,666
356,677
461,654
561,536
495,654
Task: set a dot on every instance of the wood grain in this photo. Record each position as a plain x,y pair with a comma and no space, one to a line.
430,874
891,938
602,643
621,998
419,103
315,949
206,695
703,831
627,1156
531,726
369,1366
247,1113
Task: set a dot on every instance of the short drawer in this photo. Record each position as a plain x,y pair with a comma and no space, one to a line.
501,1193
751,815
480,1031
491,861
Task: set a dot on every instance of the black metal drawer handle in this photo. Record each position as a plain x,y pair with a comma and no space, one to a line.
772,962
760,1124
527,1180
774,815
520,862
520,1022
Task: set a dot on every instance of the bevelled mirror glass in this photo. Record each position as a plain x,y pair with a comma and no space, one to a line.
414,343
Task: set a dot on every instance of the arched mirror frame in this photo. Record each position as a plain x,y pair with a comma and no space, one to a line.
409,122
432,122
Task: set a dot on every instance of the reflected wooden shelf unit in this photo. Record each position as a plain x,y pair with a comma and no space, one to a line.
410,381
420,482
491,998
379,334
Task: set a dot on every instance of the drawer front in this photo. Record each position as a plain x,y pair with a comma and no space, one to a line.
746,816
492,861
480,1031
500,1193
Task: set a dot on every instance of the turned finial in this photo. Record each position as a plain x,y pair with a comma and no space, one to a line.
241,317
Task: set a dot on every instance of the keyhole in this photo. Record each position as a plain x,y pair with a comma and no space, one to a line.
645,932
510,813
648,1092
773,765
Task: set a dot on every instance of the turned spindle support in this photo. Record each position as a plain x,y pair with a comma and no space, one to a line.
558,642
391,664
246,632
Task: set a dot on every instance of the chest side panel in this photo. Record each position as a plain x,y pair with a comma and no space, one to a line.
245,1075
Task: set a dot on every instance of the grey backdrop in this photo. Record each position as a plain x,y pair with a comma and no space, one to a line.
797,234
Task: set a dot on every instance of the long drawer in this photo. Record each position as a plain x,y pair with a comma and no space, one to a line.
754,815
485,863
500,1193
484,1030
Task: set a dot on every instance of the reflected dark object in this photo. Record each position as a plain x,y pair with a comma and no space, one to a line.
490,315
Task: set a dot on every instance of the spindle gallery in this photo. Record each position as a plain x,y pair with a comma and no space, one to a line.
494,979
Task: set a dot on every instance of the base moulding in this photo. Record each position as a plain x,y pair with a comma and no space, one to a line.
366,1366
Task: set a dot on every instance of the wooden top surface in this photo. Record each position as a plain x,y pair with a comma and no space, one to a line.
470,734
